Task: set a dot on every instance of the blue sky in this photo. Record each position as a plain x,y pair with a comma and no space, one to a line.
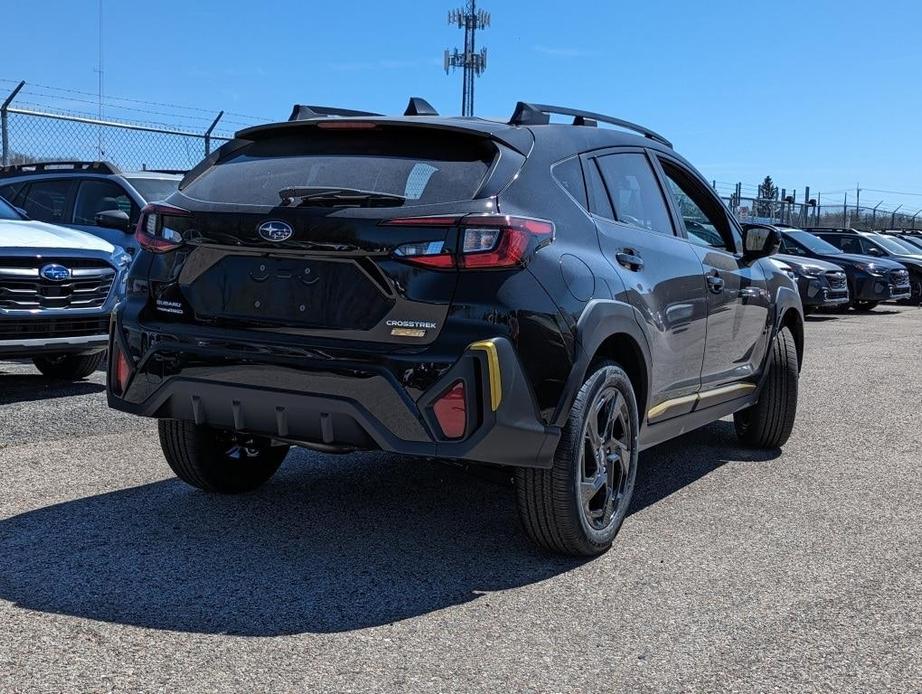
824,94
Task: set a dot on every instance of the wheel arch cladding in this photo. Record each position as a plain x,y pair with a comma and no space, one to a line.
624,350
608,330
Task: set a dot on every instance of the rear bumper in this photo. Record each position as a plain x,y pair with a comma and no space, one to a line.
347,405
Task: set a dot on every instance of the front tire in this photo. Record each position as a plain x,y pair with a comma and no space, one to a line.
577,506
69,367
864,306
218,461
768,423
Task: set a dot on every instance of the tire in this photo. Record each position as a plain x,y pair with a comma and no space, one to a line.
768,423
216,461
864,306
556,514
70,367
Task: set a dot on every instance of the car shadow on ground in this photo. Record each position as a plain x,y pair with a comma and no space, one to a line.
28,387
330,544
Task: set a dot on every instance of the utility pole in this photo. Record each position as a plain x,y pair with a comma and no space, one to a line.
101,154
474,64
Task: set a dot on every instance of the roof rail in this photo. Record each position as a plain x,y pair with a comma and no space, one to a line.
300,112
540,114
104,167
419,107
178,172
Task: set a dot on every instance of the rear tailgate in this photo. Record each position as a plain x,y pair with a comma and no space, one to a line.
253,260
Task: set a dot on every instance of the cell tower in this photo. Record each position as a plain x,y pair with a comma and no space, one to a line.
474,64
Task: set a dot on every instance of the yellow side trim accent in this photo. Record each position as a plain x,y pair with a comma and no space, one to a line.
494,373
726,390
666,405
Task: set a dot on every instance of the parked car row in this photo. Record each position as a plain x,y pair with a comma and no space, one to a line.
821,256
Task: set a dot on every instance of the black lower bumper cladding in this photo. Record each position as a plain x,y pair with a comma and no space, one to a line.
362,407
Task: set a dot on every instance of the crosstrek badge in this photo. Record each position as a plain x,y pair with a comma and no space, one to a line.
410,328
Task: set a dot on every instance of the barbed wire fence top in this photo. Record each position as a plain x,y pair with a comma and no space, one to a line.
42,123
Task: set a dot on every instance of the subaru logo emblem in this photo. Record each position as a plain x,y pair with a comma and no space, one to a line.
55,273
275,231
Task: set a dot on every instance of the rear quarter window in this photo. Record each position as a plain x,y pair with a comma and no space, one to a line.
424,168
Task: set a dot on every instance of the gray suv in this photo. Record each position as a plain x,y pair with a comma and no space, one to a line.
57,289
91,196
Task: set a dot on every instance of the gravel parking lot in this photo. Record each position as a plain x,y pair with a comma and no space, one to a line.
798,570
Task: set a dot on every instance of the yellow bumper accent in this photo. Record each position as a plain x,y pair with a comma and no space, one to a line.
493,371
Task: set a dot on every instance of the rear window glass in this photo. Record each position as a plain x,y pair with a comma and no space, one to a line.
425,168
154,189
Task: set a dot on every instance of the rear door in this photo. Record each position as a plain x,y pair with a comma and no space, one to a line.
739,317
275,240
662,273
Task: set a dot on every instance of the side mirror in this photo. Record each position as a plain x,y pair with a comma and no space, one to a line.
760,241
872,250
113,219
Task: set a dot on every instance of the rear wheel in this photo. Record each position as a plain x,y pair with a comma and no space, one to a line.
768,423
218,461
578,505
71,367
864,306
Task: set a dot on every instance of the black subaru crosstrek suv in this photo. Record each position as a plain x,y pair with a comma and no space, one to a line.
550,297
870,279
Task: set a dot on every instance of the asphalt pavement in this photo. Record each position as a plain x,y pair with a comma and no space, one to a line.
737,570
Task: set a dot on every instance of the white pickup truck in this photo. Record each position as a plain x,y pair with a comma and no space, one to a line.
57,289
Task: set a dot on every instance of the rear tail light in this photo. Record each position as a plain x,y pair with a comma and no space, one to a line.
451,411
154,232
487,241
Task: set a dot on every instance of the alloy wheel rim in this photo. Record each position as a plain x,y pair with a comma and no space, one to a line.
605,458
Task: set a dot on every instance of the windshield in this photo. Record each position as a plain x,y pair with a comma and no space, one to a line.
913,242
7,211
812,243
894,245
154,189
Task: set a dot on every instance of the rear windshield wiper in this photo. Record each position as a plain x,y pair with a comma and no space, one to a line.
338,197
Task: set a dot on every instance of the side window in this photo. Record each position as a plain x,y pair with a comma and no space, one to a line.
569,174
46,201
634,192
10,191
94,197
599,203
705,221
790,247
870,248
849,244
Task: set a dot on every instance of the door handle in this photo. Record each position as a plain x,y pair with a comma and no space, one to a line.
628,258
715,283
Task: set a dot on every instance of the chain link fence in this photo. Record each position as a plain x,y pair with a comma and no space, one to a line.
812,214
32,132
